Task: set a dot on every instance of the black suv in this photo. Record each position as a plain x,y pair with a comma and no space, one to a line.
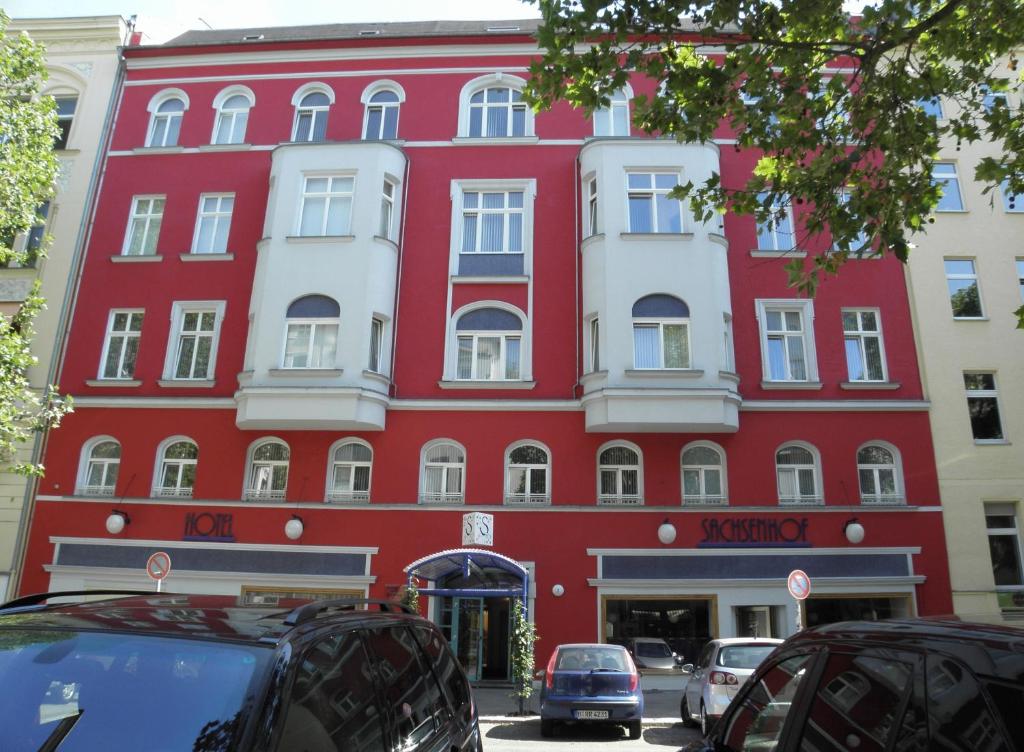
905,685
200,673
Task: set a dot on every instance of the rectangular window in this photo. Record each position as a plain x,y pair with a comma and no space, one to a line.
983,406
859,245
993,99
661,344
1004,544
932,106
1012,202
865,357
1020,276
592,207
650,207
492,222
326,206
787,341
36,235
66,107
144,226
195,327
776,234
387,209
213,222
964,295
728,352
595,345
944,175
121,345
488,357
311,343
376,340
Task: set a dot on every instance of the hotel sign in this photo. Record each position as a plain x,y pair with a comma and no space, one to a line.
755,531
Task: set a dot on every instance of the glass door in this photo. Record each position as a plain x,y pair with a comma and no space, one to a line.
467,634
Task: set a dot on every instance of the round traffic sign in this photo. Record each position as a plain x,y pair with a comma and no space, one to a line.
158,565
799,584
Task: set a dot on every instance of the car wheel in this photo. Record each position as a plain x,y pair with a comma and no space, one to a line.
705,724
635,729
547,727
684,712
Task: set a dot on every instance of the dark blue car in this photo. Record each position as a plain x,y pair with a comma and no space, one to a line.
591,683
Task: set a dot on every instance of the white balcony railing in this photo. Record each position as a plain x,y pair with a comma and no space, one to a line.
705,501
96,491
347,497
883,499
264,494
801,500
184,492
442,497
625,499
527,499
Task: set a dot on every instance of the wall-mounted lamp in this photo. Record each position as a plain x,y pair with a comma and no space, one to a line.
294,528
854,530
116,521
666,532
558,591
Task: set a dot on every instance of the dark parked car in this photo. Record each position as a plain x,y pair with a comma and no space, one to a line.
909,684
591,683
178,672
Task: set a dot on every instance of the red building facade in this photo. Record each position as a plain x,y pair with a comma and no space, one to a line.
342,274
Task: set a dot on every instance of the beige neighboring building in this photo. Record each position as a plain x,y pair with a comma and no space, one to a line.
966,278
83,60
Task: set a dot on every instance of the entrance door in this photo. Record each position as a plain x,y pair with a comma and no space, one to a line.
467,634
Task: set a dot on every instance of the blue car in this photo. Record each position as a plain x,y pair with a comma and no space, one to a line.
591,683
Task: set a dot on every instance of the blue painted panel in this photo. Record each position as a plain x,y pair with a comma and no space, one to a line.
489,320
654,306
314,307
760,567
490,264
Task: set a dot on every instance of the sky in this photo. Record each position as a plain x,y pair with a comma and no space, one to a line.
162,19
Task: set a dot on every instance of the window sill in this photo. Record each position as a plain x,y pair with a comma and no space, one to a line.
729,376
377,376
791,384
494,279
68,152
141,258
319,239
386,241
480,384
667,373
869,385
312,373
992,442
593,376
717,237
225,147
665,236
494,141
970,318
207,257
768,253
187,383
158,150
113,382
951,211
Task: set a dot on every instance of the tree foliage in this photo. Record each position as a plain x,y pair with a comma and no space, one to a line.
523,638
28,169
835,106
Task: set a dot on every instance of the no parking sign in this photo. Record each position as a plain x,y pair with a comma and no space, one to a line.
799,586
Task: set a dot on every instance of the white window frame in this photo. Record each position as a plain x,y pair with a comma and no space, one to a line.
527,498
314,323
816,499
491,81
249,490
653,192
82,487
619,497
460,187
989,97
474,336
938,177
154,105
973,276
1020,275
524,335
806,310
178,491
377,325
594,343
593,208
329,196
704,498
863,248
604,117
861,335
993,394
65,93
506,211
179,309
899,496
645,322
443,497
372,90
771,228
331,495
1013,203
728,345
311,88
219,106
147,218
124,335
216,217
1006,509
387,209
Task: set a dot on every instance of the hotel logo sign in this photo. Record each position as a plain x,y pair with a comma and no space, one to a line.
755,531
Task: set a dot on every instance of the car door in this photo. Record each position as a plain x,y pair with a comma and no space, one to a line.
454,684
695,687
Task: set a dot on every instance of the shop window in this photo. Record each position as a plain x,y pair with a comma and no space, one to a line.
819,610
684,623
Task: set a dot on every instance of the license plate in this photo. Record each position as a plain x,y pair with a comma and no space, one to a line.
591,715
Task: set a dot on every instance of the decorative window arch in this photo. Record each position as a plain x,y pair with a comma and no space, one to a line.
232,105
661,332
613,120
443,472
98,466
620,473
880,474
382,100
166,111
527,473
311,332
492,106
488,343
266,474
798,473
176,460
702,464
312,104
349,468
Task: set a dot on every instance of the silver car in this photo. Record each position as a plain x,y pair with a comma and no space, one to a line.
722,668
653,652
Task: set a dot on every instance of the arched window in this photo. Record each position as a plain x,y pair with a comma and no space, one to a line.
311,107
489,345
381,118
661,332
311,336
703,468
267,475
527,475
101,459
798,473
443,476
232,107
166,112
613,120
492,106
878,470
176,471
619,475
349,479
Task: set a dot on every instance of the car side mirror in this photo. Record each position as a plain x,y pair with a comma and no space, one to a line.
687,668
541,673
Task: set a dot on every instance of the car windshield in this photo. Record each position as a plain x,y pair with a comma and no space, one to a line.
123,691
653,650
588,659
743,656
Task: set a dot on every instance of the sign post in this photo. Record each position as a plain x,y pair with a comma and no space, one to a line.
799,586
158,566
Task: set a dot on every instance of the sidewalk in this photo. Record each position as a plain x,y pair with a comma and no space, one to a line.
661,701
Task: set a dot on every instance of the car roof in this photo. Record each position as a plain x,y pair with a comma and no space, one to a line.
588,645
648,639
725,641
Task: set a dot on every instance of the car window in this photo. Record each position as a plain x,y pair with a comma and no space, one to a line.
705,656
960,717
332,704
758,723
453,681
653,649
416,705
743,656
1009,702
590,658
